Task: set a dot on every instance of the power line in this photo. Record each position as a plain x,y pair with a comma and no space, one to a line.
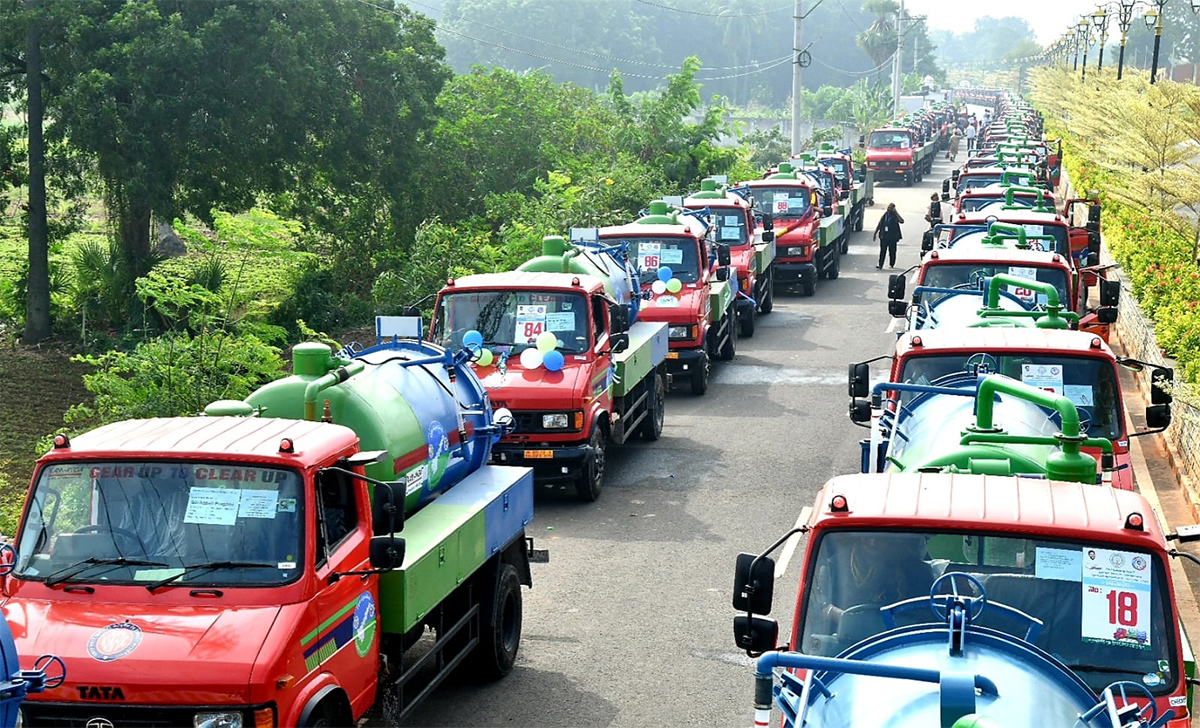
581,51
876,69
769,66
716,15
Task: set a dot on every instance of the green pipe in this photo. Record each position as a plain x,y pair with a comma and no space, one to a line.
1008,176
1008,194
1004,279
1048,319
996,438
320,384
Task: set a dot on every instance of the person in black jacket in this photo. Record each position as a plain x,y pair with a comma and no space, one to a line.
888,234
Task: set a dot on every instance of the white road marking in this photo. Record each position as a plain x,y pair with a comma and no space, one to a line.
789,548
756,374
891,327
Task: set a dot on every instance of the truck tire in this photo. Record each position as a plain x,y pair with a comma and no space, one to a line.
768,299
591,478
651,427
835,268
858,218
845,246
500,626
700,377
809,287
746,324
908,179
729,347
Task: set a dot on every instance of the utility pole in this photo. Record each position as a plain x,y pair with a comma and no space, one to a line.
797,80
897,65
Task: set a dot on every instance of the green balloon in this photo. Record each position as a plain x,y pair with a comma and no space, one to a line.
674,285
547,341
485,358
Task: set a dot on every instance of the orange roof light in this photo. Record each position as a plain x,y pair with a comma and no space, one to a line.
838,504
1135,522
286,445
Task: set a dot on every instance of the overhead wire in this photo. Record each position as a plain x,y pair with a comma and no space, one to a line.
764,66
717,15
876,69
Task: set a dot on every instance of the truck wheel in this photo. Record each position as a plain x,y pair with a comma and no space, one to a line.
591,478
651,427
908,179
858,219
768,299
845,246
700,377
746,324
835,268
500,628
729,348
808,287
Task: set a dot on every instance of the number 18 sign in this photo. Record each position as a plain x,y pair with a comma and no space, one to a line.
1116,598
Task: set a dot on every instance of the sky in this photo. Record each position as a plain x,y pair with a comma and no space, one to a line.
1048,18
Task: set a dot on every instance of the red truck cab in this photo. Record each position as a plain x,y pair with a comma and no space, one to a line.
790,204
890,154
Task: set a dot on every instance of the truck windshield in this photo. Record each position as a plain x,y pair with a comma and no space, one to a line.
841,167
1060,244
1105,608
680,254
972,180
513,319
781,201
972,275
971,204
138,522
730,224
1088,381
889,140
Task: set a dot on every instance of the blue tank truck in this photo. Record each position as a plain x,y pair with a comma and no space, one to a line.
291,550
16,683
969,601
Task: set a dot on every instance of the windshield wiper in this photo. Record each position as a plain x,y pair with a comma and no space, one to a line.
79,567
210,566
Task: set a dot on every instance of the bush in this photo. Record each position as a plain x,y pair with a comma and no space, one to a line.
318,298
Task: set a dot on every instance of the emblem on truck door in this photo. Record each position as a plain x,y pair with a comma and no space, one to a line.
114,641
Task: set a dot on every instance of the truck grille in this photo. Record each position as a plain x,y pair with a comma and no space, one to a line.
37,713
531,422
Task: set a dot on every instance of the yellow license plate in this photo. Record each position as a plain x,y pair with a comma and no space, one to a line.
539,454
672,355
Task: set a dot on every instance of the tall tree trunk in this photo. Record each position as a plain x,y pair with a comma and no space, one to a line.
133,226
37,299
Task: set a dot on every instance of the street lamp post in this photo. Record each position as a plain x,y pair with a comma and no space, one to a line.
1124,17
1155,18
1100,19
1085,35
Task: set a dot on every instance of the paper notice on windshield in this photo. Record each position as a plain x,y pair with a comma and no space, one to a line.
212,506
562,321
1116,598
1034,230
728,233
1047,377
155,574
1021,271
1058,564
781,203
731,220
647,255
1080,394
531,321
670,256
258,504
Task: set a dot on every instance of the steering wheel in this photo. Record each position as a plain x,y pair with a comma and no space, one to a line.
131,538
940,603
1117,691
981,363
1085,418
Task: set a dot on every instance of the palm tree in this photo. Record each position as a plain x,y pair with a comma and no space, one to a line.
879,40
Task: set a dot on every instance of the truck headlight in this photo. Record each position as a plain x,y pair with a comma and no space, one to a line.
904,164
679,332
556,421
228,719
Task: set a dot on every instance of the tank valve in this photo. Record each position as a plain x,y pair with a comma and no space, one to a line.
327,415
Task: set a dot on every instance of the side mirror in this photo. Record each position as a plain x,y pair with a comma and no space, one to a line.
768,236
826,210
1092,227
386,552
954,177
1106,315
618,319
768,223
722,274
1158,416
860,410
897,309
1093,259
896,285
844,195
753,591
946,187
1094,215
755,634
387,509
1160,388
859,380
945,197
1093,244
620,342
723,255
1110,292
862,138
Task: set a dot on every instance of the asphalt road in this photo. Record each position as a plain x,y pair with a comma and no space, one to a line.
630,624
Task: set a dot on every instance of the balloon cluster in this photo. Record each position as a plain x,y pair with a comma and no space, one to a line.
473,342
545,353
667,282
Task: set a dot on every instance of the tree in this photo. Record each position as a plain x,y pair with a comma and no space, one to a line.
879,40
187,107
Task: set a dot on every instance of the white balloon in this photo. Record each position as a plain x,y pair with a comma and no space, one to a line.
531,358
659,287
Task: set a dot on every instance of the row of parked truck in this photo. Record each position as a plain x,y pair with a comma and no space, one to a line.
352,535
991,563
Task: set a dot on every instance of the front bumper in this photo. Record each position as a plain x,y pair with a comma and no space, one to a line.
794,273
550,461
682,362
891,170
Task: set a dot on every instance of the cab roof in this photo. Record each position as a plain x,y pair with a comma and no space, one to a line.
979,254
249,438
1075,343
729,200
689,226
1015,216
780,183
940,501
526,280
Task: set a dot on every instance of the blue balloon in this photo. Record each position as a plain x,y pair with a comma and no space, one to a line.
472,339
665,274
553,360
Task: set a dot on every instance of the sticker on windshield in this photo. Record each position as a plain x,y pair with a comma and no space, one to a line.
1047,377
1116,598
781,203
670,256
212,506
1021,271
1080,394
563,321
731,221
730,233
1034,230
1058,564
287,505
647,255
531,321
258,504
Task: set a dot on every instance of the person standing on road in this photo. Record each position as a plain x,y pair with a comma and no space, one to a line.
970,137
888,234
934,216
955,142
